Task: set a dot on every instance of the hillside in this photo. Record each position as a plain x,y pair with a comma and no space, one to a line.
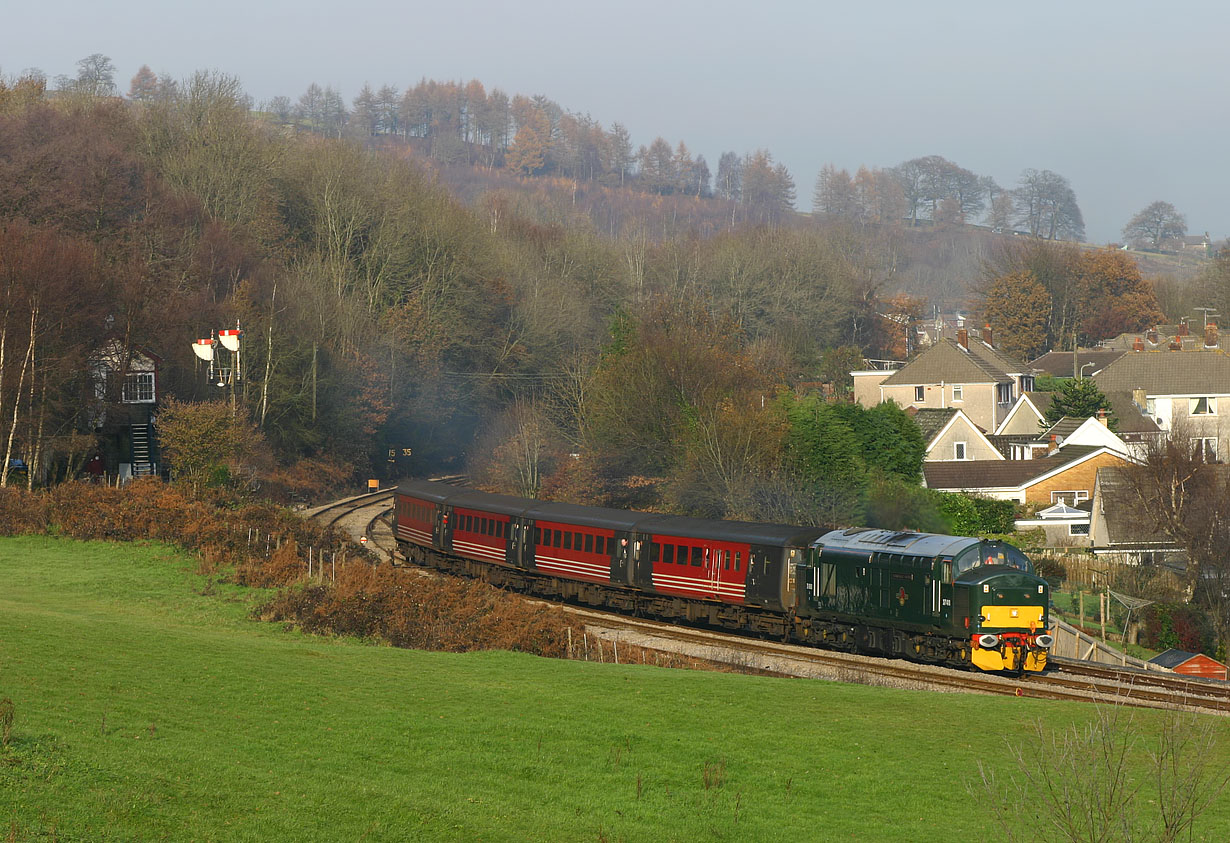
149,705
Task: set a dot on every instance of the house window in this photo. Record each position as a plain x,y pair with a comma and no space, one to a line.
958,449
1070,497
1205,448
920,394
138,388
958,392
1003,393
1204,406
1078,529
1027,383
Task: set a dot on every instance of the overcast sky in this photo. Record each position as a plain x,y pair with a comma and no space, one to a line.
1126,99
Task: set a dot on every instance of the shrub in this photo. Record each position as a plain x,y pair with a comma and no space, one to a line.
423,612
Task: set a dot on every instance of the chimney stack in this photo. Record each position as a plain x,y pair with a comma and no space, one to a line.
1138,344
1210,335
1053,445
963,338
1140,399
1102,417
1182,329
1176,344
986,335
1151,336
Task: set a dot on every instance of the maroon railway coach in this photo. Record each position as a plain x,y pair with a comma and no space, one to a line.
665,565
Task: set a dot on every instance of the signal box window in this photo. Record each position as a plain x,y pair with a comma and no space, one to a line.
138,388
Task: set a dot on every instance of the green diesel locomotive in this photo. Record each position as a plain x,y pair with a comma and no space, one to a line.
946,599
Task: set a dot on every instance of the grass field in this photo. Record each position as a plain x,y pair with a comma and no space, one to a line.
150,706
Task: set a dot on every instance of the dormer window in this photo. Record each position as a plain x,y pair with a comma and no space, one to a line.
1003,393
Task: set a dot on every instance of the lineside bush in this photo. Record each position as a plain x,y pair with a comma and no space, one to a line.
423,612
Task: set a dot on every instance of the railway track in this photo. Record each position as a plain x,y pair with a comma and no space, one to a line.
367,518
370,515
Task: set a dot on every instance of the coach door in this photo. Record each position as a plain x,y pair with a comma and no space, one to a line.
442,528
623,556
520,544
713,572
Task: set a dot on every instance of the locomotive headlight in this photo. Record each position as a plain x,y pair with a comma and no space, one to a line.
988,641
1045,640
1016,613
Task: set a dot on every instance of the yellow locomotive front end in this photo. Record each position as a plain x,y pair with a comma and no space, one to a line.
1006,610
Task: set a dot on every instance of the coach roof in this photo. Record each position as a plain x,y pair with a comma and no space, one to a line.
774,535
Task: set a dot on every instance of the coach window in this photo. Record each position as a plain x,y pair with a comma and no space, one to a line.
726,559
655,551
600,544
589,543
738,560
538,535
576,541
669,554
696,552
556,541
567,540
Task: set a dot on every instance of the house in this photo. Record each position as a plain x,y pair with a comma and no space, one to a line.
1190,664
1185,391
1064,526
1120,526
961,373
1163,338
950,435
1068,364
1025,417
1066,475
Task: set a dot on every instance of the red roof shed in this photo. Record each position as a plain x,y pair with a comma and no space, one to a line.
1191,664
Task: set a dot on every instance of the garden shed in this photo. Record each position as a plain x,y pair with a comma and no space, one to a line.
1191,664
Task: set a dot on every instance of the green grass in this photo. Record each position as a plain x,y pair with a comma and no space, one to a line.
146,709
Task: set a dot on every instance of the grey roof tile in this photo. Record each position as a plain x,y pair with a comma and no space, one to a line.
995,474
948,362
1168,373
